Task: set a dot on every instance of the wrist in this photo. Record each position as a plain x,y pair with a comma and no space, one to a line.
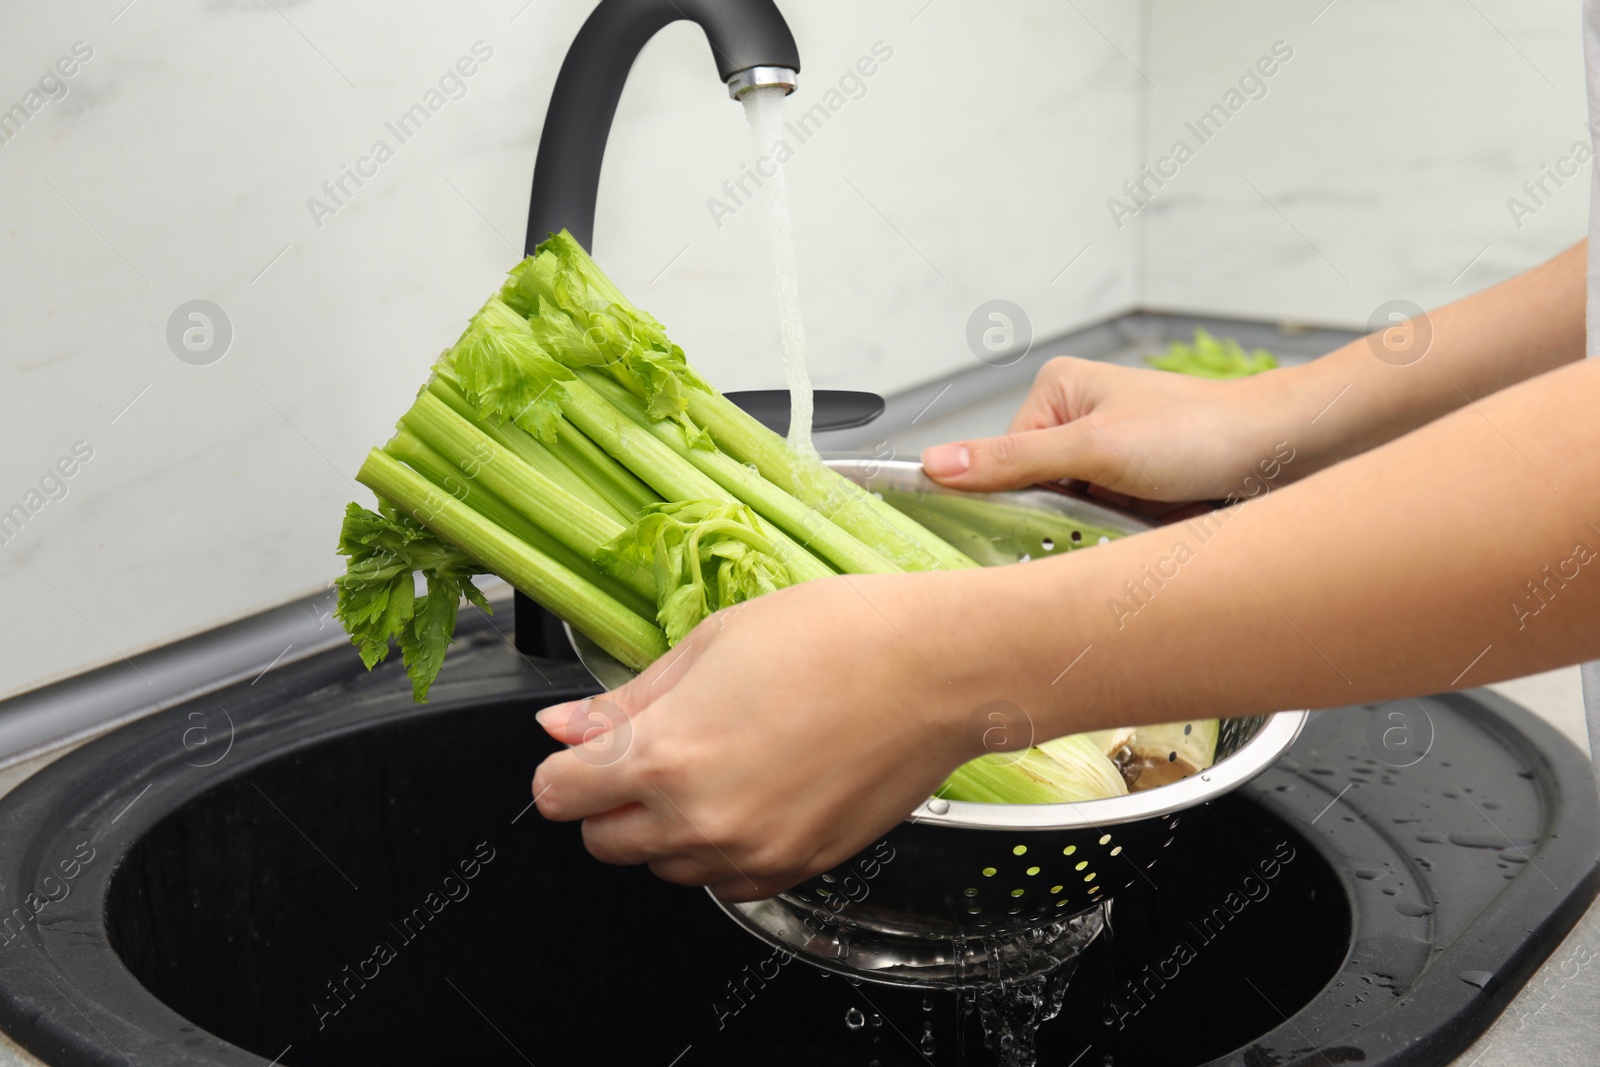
995,635
956,622
1319,408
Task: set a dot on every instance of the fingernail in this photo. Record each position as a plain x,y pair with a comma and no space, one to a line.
555,715
946,461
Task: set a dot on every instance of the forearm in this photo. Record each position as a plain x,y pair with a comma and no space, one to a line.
1378,388
1402,571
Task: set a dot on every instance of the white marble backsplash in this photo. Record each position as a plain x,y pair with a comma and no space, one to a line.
1378,165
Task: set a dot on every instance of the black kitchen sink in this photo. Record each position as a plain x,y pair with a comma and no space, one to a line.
326,873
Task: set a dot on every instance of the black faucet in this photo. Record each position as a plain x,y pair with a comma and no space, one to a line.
750,42
753,48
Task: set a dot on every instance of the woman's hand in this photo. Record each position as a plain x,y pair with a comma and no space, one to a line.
1143,433
776,741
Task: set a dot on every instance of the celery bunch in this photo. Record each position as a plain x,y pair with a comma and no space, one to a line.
564,443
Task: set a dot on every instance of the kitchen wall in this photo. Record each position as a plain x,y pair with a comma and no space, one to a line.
197,149
185,159
1385,159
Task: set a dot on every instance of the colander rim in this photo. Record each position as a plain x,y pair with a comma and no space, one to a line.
1269,743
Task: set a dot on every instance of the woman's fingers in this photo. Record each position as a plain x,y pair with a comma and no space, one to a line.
743,890
626,835
661,835
1059,394
582,781
580,722
583,722
1017,459
786,736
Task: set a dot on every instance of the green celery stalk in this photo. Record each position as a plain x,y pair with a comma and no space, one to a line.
891,532
582,319
532,451
581,460
625,635
595,466
574,523
1064,769
804,524
979,527
665,471
507,374
653,462
995,779
412,450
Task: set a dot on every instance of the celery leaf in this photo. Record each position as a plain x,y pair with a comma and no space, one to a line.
377,601
507,374
707,555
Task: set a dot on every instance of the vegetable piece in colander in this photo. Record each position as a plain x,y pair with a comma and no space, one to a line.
1066,769
1089,766
1169,752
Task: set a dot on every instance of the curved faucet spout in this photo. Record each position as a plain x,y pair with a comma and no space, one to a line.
752,47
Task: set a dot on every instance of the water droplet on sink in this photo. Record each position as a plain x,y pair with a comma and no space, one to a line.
853,1019
1488,840
928,1045
1413,910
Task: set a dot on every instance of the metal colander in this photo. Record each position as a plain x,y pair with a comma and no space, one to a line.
984,893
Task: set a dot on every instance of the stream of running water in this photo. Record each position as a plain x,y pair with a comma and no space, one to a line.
763,108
